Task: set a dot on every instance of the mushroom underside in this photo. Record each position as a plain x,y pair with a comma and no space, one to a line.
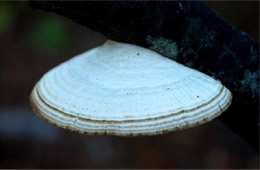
149,126
126,90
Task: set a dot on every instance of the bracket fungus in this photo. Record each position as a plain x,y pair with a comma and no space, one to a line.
127,90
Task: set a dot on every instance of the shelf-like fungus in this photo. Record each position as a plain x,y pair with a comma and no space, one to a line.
123,89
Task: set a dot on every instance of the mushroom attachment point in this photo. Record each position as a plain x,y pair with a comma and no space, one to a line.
127,90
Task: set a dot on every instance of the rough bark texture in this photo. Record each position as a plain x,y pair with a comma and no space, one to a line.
203,40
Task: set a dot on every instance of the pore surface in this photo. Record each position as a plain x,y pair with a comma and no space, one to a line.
119,81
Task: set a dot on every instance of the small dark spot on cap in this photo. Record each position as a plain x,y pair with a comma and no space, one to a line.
198,96
137,54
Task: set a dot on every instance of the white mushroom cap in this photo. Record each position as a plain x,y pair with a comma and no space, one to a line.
124,89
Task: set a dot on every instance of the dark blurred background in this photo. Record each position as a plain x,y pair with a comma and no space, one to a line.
33,41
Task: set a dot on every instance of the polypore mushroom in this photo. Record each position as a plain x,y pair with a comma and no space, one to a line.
123,89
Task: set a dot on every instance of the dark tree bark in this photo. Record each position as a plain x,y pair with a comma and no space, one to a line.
204,41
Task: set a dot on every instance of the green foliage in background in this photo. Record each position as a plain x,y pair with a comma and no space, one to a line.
7,17
50,33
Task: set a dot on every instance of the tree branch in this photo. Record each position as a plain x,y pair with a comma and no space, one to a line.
204,40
